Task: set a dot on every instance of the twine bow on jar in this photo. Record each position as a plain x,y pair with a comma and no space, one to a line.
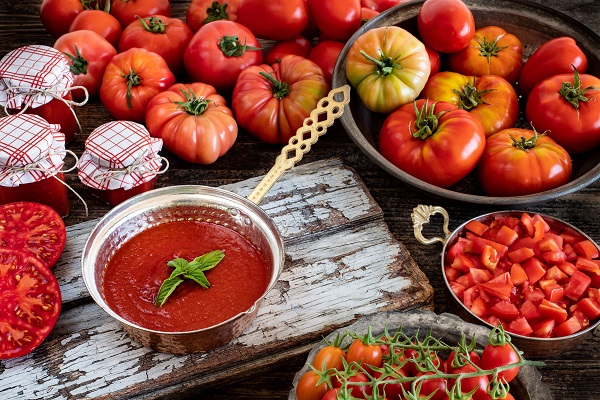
140,165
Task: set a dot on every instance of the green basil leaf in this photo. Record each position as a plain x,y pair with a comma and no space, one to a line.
167,287
198,276
209,260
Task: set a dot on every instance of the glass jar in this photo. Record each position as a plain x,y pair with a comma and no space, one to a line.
120,161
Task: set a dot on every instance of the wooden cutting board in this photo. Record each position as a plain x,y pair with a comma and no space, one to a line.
342,263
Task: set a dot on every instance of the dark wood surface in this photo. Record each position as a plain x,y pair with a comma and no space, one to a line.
569,376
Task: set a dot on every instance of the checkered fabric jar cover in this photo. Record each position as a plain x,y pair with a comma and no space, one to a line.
33,75
119,154
31,149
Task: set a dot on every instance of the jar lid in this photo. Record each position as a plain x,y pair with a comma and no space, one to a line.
31,149
120,154
33,75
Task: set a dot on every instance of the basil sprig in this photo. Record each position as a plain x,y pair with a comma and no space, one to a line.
193,270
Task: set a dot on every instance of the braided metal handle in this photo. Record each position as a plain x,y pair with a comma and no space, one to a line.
308,134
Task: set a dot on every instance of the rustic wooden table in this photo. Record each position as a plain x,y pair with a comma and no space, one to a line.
569,376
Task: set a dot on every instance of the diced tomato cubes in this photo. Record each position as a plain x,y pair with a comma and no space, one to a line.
578,284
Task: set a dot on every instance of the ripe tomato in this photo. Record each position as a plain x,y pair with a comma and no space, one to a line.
127,11
494,356
88,54
193,121
437,143
219,51
57,15
272,102
433,389
446,25
30,303
34,228
492,51
367,355
308,389
434,60
388,67
554,57
130,80
201,12
100,22
478,384
367,14
325,55
330,357
336,19
567,106
299,46
331,394
275,20
381,5
490,99
167,37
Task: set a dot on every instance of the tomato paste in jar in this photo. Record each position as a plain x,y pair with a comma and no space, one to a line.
134,274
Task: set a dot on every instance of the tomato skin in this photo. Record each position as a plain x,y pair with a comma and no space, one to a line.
554,57
367,355
479,383
127,11
206,62
154,77
367,14
57,15
100,22
442,159
497,104
299,46
446,26
472,60
275,20
381,5
434,60
307,388
499,356
201,12
265,116
331,356
336,19
169,42
575,129
382,91
325,55
95,51
506,170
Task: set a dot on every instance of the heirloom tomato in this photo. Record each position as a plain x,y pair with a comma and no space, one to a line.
554,57
388,67
299,46
275,20
325,55
57,15
435,142
193,121
568,107
100,22
130,80
219,51
30,303
201,12
490,99
518,162
336,19
167,37
309,387
127,11
446,26
88,54
271,102
492,51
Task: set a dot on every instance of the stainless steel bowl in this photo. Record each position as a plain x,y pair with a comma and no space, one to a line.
172,204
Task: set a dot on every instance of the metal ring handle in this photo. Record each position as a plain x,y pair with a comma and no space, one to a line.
420,216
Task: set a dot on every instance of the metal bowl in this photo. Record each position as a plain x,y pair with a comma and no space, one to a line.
533,24
177,203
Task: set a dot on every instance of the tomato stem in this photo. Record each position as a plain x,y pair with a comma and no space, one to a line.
426,121
489,49
216,12
470,97
95,5
133,79
526,144
231,46
79,64
193,105
573,93
279,89
385,65
154,24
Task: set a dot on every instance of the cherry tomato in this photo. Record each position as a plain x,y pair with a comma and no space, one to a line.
360,388
331,394
100,22
337,19
329,357
367,355
201,12
494,356
478,383
299,46
57,15
308,389
325,55
433,389
275,20
446,26
127,11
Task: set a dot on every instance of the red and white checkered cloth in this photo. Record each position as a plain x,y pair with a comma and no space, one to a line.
35,74
31,149
119,154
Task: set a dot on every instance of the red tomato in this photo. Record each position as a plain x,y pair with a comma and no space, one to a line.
299,46
554,57
325,55
381,5
361,388
331,394
130,81
30,303
336,19
34,228
167,37
330,357
193,121
127,11
272,102
492,51
57,15
438,143
367,355
446,25
308,387
366,14
567,107
201,12
519,162
434,60
500,355
88,54
219,52
100,22
477,383
433,389
275,20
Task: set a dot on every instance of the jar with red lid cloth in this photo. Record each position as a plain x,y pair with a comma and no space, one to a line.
120,161
36,79
32,153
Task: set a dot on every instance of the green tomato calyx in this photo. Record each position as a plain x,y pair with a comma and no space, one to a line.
232,47
385,65
153,24
470,97
78,63
574,93
279,89
193,105
489,49
426,122
216,12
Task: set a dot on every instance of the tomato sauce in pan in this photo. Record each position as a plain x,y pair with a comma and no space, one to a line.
134,274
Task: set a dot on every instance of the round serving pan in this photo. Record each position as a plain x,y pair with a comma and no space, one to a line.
533,24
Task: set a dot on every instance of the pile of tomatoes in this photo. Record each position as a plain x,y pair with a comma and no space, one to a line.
397,366
441,126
